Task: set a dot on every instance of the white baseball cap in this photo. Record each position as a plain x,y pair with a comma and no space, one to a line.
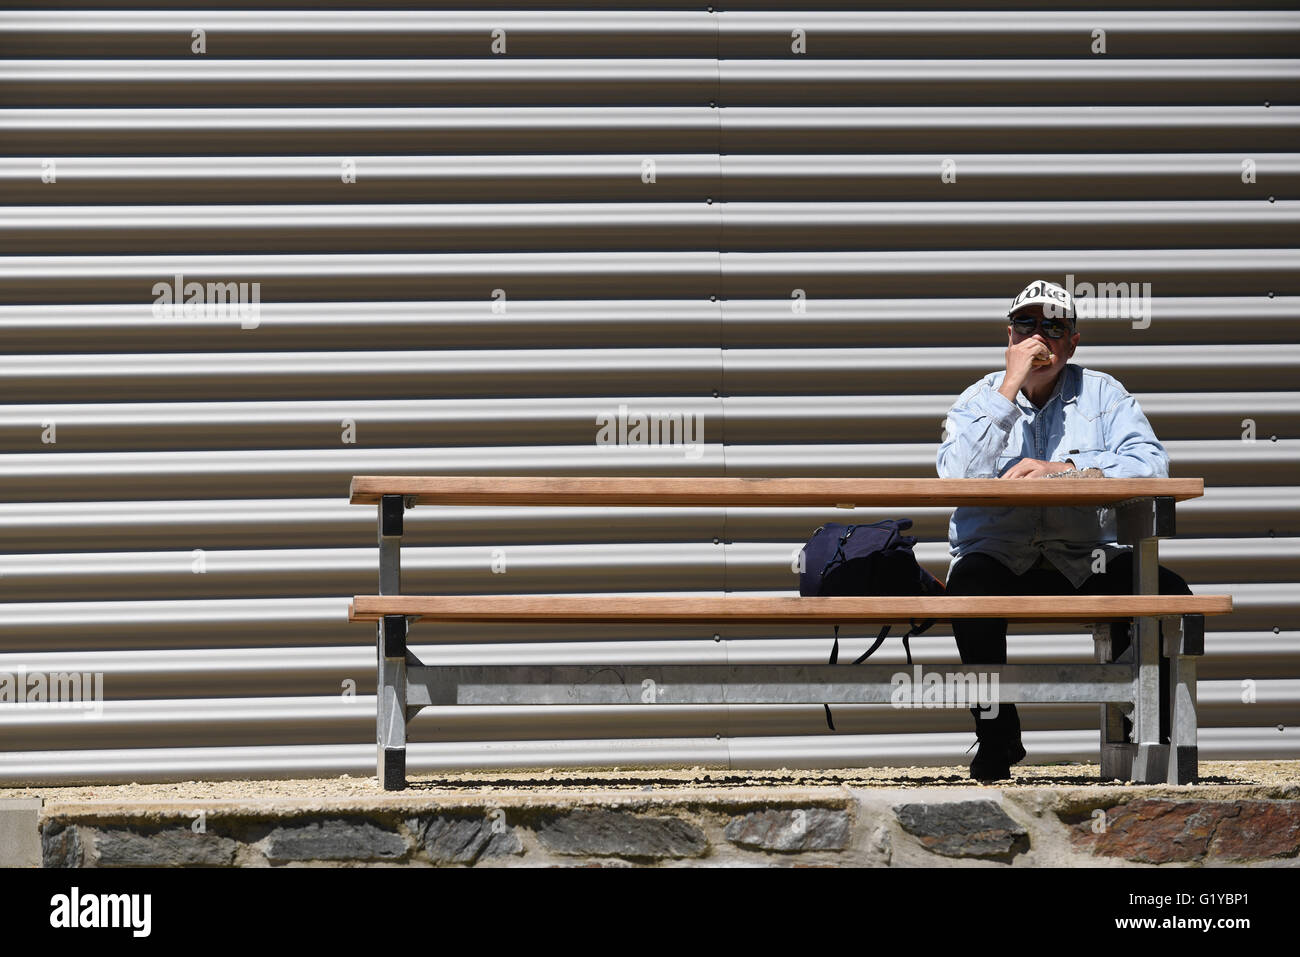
1056,302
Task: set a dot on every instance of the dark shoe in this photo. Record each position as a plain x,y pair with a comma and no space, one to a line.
991,762
1000,744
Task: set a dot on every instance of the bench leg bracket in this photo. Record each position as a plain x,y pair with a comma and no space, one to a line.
1142,523
1184,642
390,685
1116,751
390,703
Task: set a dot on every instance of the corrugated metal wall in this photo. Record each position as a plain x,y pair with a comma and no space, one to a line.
739,214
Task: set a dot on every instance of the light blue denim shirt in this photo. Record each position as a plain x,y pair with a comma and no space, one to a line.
1090,420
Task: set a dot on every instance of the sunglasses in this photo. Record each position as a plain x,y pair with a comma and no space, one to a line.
1052,328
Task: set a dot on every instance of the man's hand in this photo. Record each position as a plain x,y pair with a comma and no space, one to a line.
1035,468
1022,358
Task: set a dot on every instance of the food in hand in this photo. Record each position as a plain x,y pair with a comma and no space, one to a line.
1042,358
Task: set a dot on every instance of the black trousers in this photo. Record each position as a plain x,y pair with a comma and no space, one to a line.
983,641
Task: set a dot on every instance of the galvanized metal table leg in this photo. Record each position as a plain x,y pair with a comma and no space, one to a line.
1184,642
1151,759
390,684
1142,523
1116,750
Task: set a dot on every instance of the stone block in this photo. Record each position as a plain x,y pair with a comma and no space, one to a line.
791,830
464,840
61,845
334,840
1157,831
604,833
979,829
176,847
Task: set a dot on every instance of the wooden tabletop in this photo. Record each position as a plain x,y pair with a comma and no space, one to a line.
721,492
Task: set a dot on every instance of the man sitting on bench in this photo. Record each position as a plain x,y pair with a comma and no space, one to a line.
1042,416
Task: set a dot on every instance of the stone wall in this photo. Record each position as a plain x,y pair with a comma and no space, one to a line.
820,827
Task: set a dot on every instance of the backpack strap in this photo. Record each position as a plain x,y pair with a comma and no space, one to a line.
914,630
921,628
880,639
838,558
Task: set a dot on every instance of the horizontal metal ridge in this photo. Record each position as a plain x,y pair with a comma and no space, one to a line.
508,569
599,69
646,735
573,129
617,177
220,672
605,373
216,721
672,728
627,323
487,725
1169,119
122,717
299,522
1263,608
646,274
68,476
472,563
685,32
348,723
600,227
390,423
118,764
642,81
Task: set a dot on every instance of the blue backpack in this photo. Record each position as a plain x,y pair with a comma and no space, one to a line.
873,559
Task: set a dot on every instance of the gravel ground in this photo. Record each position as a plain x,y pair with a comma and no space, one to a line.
1217,778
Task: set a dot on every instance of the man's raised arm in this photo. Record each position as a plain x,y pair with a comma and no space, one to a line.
975,433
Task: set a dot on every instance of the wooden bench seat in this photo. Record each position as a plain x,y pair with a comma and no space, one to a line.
756,610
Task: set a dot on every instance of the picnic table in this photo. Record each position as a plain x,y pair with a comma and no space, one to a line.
1125,683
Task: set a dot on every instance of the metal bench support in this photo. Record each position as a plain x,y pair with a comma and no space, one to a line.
638,685
1110,641
390,689
1142,522
1184,642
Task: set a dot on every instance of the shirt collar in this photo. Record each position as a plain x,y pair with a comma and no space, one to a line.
1067,387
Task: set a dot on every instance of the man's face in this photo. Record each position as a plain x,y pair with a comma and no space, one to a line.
1061,349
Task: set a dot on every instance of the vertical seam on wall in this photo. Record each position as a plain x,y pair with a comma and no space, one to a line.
720,297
